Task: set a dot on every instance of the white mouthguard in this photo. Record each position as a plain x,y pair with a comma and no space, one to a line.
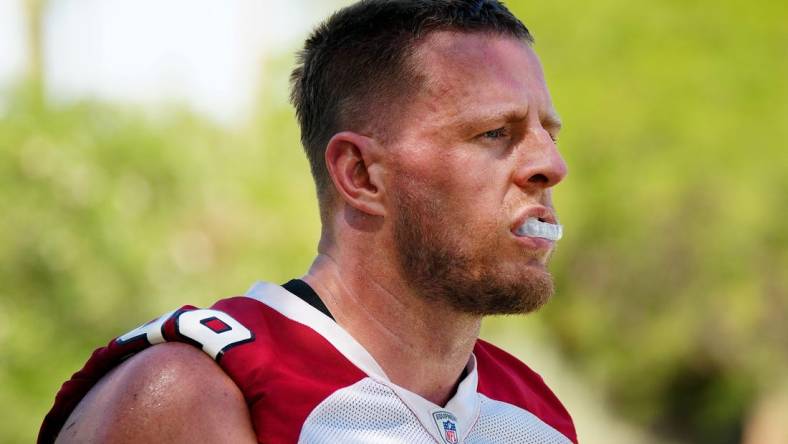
533,227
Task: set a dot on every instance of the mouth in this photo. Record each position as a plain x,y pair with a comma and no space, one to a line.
539,223
534,227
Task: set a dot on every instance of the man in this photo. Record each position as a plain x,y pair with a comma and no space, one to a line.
431,137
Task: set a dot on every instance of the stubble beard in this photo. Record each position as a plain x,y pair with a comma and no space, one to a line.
440,261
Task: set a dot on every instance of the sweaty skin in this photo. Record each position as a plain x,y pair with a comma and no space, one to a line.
171,393
476,142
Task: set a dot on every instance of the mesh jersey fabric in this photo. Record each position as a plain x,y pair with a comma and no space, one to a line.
370,412
306,380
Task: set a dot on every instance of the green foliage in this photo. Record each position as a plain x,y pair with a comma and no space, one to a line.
111,218
672,279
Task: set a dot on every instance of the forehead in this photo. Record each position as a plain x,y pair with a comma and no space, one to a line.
467,75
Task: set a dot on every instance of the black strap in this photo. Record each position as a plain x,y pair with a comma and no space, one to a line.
307,294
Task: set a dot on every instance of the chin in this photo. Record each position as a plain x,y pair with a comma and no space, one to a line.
527,294
522,291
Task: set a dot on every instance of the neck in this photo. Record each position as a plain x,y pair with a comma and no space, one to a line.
421,346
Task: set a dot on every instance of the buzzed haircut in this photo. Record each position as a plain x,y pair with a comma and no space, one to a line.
354,67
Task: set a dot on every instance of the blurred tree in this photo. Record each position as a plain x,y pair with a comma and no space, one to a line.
110,218
672,278
35,11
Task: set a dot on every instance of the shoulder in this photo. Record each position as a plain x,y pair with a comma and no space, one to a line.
503,377
171,392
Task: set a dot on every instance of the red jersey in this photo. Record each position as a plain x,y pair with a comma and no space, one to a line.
306,380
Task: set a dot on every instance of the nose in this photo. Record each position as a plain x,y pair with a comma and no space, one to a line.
540,164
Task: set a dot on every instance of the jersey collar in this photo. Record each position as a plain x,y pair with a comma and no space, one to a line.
464,406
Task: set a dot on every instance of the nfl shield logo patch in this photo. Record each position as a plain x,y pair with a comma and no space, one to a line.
447,426
450,431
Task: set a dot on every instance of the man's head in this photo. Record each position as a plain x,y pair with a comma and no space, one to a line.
432,119
355,71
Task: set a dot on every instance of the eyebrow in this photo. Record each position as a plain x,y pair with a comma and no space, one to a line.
553,121
550,121
480,119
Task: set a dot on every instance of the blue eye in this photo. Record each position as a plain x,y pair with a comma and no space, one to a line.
496,133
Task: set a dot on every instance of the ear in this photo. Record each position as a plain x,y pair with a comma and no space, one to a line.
353,162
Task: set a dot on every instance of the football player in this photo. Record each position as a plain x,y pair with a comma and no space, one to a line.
431,137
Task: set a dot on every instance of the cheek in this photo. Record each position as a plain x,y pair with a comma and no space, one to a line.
474,189
460,179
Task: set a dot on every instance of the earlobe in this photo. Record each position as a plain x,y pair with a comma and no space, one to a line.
353,163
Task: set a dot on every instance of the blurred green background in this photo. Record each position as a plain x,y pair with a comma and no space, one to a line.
670,323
